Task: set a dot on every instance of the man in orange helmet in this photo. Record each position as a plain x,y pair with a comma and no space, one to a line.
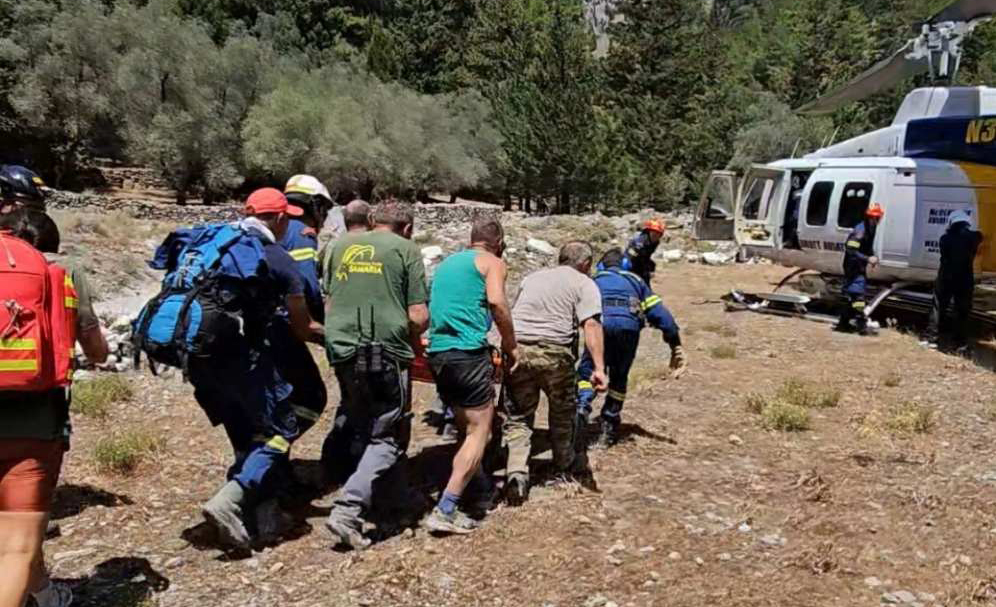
859,253
642,247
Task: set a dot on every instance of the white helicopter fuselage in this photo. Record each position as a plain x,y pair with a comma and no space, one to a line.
799,211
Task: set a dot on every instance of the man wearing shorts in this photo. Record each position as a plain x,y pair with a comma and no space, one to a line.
34,431
467,292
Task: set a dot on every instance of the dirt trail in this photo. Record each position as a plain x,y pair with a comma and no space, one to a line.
698,506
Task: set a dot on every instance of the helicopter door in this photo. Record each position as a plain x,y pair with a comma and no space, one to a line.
714,215
762,196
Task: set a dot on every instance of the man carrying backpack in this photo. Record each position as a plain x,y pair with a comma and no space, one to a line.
234,279
34,405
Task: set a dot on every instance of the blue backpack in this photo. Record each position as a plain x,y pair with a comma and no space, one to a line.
206,266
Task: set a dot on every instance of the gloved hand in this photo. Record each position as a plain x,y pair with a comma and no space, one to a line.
679,362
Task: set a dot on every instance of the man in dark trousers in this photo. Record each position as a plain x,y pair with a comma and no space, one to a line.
955,278
859,253
641,248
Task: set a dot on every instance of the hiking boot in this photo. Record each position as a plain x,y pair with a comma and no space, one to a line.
347,532
224,512
608,436
517,489
458,523
53,595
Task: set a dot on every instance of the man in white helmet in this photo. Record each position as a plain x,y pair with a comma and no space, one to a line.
955,277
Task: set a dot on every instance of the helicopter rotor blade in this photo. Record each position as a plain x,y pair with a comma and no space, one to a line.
965,10
881,76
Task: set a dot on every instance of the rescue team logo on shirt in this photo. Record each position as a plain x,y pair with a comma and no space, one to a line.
358,259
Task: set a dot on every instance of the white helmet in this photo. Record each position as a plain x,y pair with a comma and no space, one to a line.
959,217
306,184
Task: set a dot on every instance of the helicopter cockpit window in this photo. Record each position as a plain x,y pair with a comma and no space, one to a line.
853,204
755,204
818,206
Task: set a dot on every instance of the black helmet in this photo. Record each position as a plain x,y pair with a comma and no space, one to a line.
21,184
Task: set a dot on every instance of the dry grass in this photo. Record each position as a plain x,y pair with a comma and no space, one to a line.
989,410
122,453
808,396
94,398
720,329
892,379
783,416
723,352
905,418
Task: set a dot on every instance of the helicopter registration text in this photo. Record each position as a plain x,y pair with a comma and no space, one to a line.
981,131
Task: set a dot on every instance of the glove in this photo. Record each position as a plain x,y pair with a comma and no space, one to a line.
679,362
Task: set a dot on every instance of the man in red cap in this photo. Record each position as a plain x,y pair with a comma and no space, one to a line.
246,386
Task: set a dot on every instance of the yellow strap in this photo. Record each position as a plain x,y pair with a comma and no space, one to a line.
72,302
18,365
306,413
858,305
69,282
279,443
620,396
585,385
298,189
304,254
650,302
17,344
854,244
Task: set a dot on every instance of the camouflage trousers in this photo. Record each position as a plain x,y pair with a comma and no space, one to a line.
550,369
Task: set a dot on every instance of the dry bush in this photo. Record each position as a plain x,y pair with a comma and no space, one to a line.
892,379
780,415
808,396
723,351
94,398
122,453
898,419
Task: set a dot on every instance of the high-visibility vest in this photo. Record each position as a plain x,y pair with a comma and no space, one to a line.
38,310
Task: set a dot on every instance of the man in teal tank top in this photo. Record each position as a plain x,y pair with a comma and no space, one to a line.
468,291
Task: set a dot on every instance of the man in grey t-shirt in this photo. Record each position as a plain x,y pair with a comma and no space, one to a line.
553,305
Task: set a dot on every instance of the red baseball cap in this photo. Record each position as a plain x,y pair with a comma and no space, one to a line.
270,200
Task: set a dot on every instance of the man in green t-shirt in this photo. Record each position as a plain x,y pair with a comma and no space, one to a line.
375,308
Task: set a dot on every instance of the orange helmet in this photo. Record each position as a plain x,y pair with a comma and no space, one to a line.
654,225
875,210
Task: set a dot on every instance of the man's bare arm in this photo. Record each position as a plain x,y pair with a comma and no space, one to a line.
418,318
94,345
593,341
302,325
495,273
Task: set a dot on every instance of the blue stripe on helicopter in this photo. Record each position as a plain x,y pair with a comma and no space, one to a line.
967,138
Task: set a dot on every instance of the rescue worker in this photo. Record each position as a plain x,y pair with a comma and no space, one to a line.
246,386
377,308
859,253
20,187
628,305
553,306
642,247
955,277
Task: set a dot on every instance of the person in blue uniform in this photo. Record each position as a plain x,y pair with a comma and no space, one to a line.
955,278
628,305
859,253
642,247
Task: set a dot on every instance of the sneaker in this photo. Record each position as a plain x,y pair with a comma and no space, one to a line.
458,523
224,512
517,489
347,533
53,595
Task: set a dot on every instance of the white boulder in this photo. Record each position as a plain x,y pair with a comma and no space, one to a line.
540,246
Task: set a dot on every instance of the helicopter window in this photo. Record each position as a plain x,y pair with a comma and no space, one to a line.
720,203
854,203
818,206
756,197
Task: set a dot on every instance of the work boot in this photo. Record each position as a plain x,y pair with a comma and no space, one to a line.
517,489
607,436
457,522
224,512
347,531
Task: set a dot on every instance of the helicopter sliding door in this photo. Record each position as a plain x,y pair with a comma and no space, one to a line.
762,197
714,215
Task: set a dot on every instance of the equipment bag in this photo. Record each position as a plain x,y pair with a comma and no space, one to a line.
190,314
37,319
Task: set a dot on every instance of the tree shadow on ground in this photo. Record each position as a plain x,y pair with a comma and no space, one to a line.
71,500
118,582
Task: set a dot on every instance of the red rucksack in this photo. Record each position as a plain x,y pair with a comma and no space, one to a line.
38,305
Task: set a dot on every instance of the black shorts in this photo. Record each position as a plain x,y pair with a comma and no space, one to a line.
464,378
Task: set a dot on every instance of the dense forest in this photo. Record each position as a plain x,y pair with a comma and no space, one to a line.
499,99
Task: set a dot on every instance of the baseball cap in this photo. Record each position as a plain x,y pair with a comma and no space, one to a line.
270,200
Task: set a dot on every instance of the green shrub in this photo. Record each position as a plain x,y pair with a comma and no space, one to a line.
93,398
910,417
808,396
780,415
122,453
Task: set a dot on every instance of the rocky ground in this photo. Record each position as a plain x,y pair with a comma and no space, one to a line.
886,498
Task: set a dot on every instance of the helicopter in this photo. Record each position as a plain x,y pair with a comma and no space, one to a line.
938,156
